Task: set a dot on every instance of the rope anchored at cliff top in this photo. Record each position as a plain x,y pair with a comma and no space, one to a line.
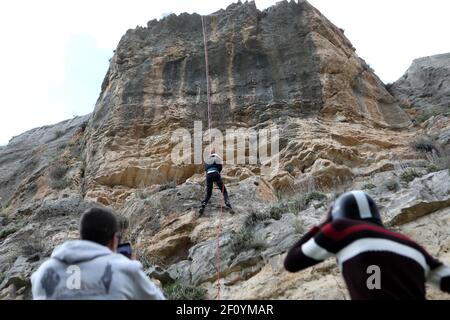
208,87
208,94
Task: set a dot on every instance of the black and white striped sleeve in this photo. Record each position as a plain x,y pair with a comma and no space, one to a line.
306,253
440,277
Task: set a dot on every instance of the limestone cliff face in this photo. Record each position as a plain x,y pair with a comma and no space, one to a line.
424,90
426,83
286,66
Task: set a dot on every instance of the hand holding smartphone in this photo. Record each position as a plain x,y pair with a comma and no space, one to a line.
125,249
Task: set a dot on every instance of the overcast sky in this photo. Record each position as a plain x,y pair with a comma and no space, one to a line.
54,54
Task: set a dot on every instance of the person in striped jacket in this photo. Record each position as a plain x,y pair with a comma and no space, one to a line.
375,263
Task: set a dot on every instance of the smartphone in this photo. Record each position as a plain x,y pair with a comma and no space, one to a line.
125,249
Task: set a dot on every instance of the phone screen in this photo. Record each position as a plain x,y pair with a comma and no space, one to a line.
125,249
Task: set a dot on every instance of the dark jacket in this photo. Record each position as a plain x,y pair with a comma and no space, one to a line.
213,164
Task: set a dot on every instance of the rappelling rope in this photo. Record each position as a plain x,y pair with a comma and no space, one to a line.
208,94
208,88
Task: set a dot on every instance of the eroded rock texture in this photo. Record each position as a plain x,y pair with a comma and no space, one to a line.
286,67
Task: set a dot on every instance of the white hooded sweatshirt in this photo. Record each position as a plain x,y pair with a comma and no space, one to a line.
86,270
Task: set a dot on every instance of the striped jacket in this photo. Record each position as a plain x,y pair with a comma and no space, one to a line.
359,247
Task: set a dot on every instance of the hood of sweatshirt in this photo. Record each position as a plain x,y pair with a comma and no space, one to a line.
79,251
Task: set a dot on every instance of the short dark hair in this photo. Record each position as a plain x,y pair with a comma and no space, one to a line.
98,225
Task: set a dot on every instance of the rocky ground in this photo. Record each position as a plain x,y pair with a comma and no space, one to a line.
340,129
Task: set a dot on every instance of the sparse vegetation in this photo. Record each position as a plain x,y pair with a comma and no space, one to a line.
369,186
391,185
295,204
313,196
167,186
409,175
179,291
439,161
277,210
149,260
58,134
298,226
8,230
255,217
58,172
244,240
425,144
141,195
432,168
431,112
58,178
6,205
142,258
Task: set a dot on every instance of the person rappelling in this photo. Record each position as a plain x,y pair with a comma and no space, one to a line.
213,169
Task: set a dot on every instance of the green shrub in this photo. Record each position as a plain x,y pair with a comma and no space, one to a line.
241,240
301,203
433,168
313,196
277,210
409,175
434,111
424,144
58,134
254,217
58,171
8,230
179,291
244,240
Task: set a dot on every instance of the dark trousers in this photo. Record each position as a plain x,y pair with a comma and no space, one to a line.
210,179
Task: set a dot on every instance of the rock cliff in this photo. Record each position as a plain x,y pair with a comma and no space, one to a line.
286,67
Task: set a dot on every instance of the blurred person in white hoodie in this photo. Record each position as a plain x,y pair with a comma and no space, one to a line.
90,268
